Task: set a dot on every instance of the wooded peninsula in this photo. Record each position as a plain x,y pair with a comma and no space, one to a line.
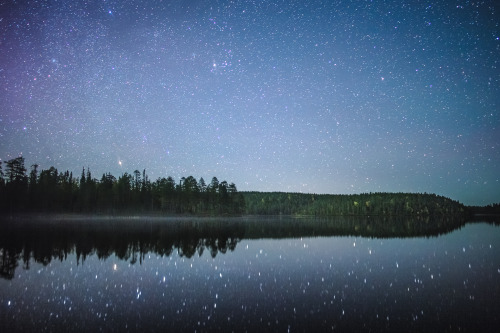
51,191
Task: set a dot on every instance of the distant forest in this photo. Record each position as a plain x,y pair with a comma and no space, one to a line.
51,191
367,204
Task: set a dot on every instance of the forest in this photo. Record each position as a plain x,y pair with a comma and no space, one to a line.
367,204
51,191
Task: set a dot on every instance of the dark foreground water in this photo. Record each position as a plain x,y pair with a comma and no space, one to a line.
208,275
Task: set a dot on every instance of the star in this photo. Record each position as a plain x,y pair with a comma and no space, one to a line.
319,93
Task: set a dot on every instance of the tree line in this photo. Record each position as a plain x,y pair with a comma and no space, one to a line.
52,191
367,204
491,209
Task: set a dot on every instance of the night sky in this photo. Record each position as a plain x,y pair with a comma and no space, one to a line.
301,96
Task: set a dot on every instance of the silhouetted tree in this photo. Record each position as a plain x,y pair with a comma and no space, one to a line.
48,185
202,185
2,188
137,180
16,187
122,191
54,191
105,192
33,187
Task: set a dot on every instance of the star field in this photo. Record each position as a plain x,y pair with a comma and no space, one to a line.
301,96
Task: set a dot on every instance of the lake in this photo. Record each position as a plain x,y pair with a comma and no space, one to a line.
249,274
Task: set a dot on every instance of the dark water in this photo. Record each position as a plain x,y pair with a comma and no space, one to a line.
288,275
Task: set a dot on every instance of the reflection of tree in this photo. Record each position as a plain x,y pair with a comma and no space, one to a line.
131,240
43,241
377,227
8,261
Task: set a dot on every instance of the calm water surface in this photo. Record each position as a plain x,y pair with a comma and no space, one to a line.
449,282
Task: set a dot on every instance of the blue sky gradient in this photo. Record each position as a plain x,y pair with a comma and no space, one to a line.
302,96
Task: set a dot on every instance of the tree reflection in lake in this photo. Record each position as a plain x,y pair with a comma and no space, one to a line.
131,239
296,275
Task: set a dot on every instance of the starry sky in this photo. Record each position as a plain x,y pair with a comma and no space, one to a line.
301,96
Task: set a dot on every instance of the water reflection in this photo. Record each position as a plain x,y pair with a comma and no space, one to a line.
43,240
276,276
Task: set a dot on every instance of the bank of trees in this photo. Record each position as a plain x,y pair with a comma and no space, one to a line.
53,191
382,204
492,209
